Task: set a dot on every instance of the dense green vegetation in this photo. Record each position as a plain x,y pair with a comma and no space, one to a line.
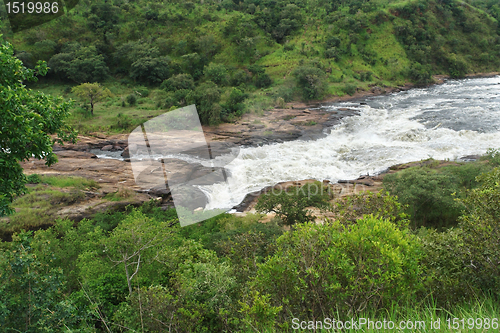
138,270
426,247
28,119
247,55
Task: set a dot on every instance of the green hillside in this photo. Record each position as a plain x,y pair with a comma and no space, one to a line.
231,57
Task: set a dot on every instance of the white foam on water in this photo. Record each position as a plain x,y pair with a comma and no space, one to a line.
395,130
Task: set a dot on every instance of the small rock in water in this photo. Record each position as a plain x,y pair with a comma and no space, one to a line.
107,148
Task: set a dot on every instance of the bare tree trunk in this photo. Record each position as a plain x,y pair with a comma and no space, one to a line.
128,278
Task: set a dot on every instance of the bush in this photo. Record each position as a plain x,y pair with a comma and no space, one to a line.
444,265
216,73
131,99
177,82
349,209
263,80
33,179
456,66
332,41
150,70
419,74
235,101
331,53
349,89
311,80
80,64
239,77
142,91
290,204
481,230
428,196
123,122
206,97
343,270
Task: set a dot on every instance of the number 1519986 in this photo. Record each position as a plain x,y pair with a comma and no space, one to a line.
32,7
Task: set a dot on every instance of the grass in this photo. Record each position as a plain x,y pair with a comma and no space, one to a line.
45,196
119,195
483,309
63,182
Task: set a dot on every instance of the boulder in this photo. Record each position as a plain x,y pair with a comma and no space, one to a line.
125,153
107,148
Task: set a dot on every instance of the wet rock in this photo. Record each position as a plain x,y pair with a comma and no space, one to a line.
74,154
126,153
107,148
470,158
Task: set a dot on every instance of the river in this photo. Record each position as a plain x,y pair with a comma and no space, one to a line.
447,121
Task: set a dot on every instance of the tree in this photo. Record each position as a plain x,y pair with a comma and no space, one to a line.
151,70
311,80
290,205
93,92
28,118
79,64
136,240
206,97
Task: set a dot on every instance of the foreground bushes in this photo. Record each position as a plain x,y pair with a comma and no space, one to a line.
320,269
140,271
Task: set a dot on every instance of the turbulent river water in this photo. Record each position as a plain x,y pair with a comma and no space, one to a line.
448,121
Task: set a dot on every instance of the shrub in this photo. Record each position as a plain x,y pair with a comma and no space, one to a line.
349,209
216,73
428,196
206,97
332,41
142,91
349,89
456,66
290,204
80,64
263,80
481,226
331,53
131,99
123,122
239,77
150,69
280,103
311,80
419,74
444,266
344,270
492,156
177,82
33,179
234,102
256,69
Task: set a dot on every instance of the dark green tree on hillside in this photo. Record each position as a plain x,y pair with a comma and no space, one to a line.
28,118
80,64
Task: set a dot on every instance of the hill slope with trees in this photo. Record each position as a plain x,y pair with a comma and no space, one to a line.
229,56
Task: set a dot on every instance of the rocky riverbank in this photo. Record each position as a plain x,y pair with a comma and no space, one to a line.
295,121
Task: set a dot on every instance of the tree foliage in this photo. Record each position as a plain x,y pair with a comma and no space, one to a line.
92,92
321,269
28,119
290,204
